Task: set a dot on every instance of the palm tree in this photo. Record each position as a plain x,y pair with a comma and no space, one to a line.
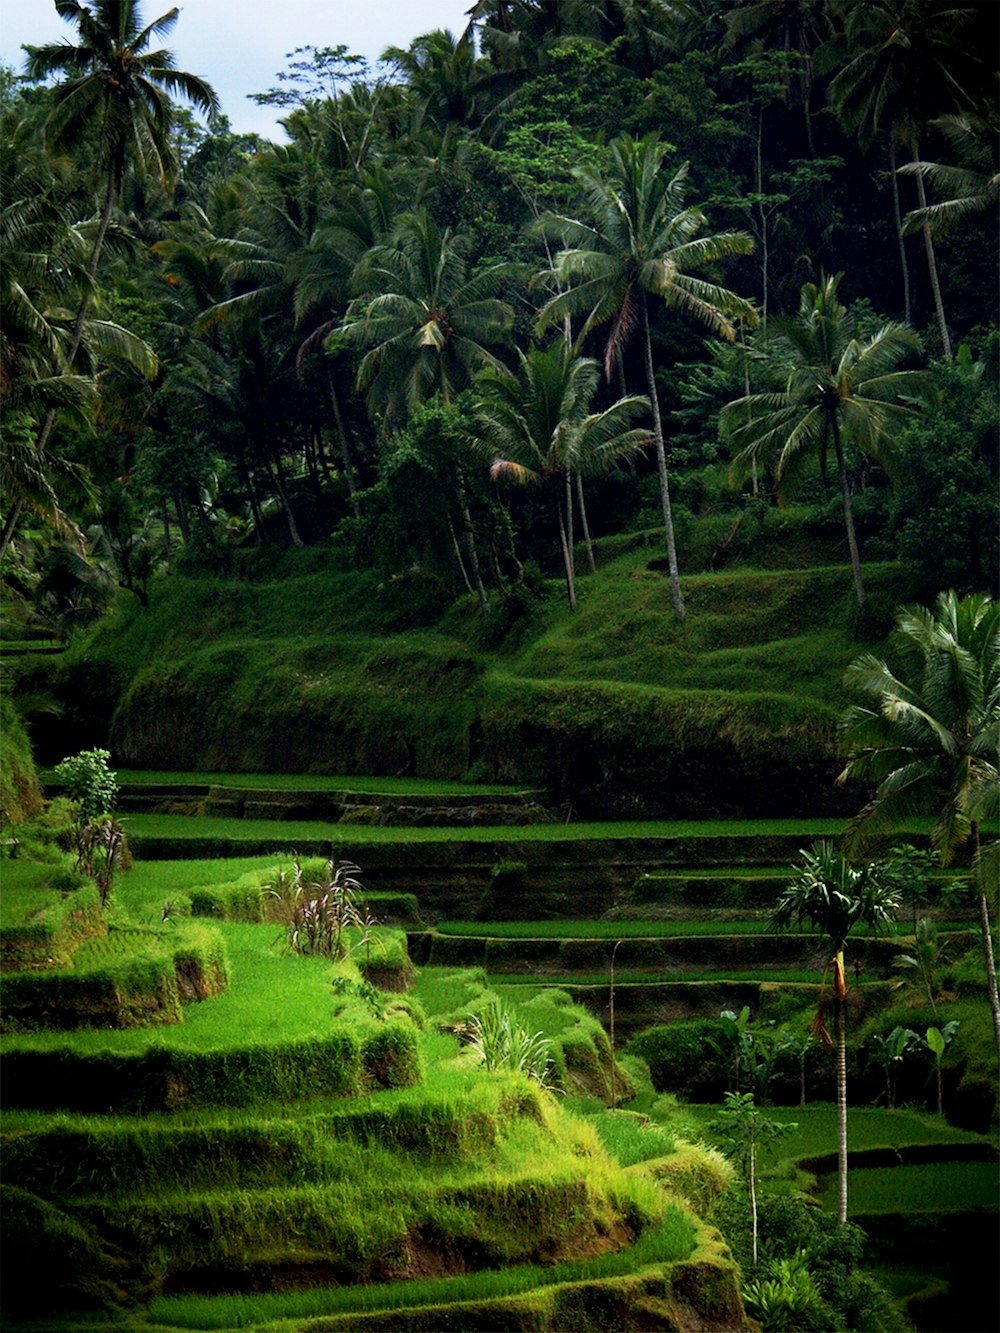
893,58
428,325
642,242
451,84
115,93
833,896
42,273
970,188
839,390
516,35
798,26
538,429
930,737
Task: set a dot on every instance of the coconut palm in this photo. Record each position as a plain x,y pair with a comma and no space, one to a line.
930,736
43,271
839,391
895,60
833,896
787,26
970,188
537,428
450,83
642,242
116,93
428,325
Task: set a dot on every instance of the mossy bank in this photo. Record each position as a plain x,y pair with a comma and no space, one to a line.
618,710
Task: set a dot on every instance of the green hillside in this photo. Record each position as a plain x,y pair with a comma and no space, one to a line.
616,710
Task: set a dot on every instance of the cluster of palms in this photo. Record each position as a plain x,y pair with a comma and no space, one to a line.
308,302
927,735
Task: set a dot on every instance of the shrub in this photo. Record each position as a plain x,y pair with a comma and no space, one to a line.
89,782
321,914
687,1055
786,1298
100,839
391,1056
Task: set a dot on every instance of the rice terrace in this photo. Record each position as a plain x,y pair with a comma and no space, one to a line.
500,684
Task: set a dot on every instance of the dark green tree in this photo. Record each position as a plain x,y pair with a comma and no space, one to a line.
427,324
115,92
537,428
896,64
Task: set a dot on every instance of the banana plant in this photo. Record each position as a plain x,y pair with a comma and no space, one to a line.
938,1040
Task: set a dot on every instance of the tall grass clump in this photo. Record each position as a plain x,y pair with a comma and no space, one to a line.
500,1042
320,914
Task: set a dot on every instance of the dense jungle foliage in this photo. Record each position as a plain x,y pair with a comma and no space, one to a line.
577,271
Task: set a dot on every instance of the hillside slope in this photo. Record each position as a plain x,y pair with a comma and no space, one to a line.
617,710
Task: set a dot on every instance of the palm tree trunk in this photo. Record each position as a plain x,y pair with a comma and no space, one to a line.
567,555
611,1024
345,451
986,928
845,494
762,229
95,256
182,519
458,558
898,213
10,525
570,539
585,525
932,269
243,467
661,464
45,429
753,1203
840,1033
470,542
293,530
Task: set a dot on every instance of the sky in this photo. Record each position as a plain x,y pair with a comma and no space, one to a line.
239,46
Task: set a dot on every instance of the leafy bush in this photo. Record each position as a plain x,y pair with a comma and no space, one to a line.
100,839
89,782
785,1297
688,1055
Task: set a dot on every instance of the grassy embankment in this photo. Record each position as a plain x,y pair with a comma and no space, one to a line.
617,711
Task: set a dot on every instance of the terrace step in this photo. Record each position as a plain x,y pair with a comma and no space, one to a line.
640,1005
333,805
497,875
660,956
